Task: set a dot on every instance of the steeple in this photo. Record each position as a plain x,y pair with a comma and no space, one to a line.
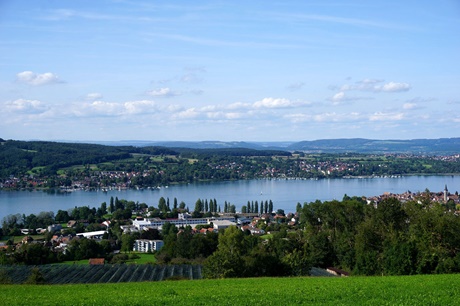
446,192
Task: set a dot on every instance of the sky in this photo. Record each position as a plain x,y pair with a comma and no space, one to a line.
114,70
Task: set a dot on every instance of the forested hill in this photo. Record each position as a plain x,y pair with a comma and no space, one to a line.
20,156
442,146
16,156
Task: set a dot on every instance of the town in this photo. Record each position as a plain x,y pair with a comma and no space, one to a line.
170,234
157,172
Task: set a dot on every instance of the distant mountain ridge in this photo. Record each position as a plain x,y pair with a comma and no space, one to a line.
360,145
342,145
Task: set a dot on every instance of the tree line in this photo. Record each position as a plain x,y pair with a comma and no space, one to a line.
389,238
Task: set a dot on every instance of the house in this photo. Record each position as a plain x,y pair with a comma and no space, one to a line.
27,239
184,215
96,261
92,235
71,223
204,231
54,228
40,230
253,230
337,272
128,229
280,218
243,221
222,224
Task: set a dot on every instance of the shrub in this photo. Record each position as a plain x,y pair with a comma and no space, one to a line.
4,278
35,278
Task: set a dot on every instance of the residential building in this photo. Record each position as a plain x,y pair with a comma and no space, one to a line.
145,245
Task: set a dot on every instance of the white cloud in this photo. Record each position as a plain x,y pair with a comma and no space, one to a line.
32,78
374,86
239,105
93,96
267,103
190,113
410,106
172,108
341,97
138,107
26,106
226,116
103,108
163,92
235,115
380,116
209,108
238,110
325,117
394,87
272,103
298,118
338,97
98,108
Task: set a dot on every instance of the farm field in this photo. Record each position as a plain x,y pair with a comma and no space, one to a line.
59,274
388,290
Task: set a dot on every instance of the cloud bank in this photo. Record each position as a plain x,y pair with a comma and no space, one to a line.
37,79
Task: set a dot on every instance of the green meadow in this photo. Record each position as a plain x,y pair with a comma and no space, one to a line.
387,290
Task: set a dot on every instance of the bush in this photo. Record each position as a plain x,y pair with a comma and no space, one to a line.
4,278
119,258
134,256
35,278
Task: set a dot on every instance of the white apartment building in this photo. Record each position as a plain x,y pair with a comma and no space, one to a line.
145,245
158,223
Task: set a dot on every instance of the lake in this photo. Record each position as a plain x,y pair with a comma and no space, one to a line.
285,194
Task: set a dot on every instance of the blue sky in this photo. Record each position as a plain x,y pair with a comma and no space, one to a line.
229,70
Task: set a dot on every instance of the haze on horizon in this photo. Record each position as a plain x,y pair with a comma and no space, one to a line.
229,70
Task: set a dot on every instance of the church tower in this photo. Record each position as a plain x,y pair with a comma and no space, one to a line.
446,192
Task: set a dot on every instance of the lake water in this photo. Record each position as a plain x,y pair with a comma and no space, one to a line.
285,194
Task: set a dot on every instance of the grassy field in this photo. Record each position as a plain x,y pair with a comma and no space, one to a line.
402,290
145,258
18,239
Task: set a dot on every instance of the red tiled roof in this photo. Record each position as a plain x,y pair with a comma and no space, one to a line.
96,261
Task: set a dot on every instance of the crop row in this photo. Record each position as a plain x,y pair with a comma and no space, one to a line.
80,274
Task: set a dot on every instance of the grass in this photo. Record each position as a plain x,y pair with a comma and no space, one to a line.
76,262
17,239
35,170
145,258
402,290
